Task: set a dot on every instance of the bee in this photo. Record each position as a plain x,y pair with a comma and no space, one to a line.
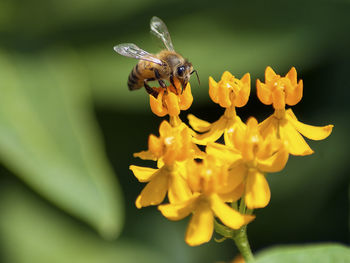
166,65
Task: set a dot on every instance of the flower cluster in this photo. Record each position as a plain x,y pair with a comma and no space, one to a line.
221,185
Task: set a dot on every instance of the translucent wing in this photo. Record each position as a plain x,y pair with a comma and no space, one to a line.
159,29
133,51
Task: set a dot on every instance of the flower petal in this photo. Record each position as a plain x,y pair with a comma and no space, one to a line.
234,195
292,76
263,92
157,105
179,190
198,124
186,98
228,215
180,210
213,90
200,229
243,95
145,155
154,192
172,103
268,127
257,193
143,174
222,153
236,174
311,132
275,163
278,98
294,97
216,130
296,143
269,74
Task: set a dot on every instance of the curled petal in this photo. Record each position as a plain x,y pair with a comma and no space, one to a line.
275,163
263,92
154,192
216,130
179,190
186,98
213,90
180,210
295,96
157,106
292,76
201,226
257,193
228,215
269,74
311,132
143,174
296,143
198,124
243,95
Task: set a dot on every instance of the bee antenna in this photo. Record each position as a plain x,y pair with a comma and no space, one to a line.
195,71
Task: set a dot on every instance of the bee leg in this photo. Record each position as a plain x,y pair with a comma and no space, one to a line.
158,77
171,79
150,90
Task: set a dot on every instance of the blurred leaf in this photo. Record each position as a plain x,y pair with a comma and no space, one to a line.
49,138
321,253
32,231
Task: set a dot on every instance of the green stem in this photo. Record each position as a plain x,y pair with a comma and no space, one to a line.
241,241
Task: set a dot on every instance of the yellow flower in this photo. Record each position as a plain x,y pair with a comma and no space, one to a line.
171,100
229,93
283,124
253,157
206,180
278,90
173,144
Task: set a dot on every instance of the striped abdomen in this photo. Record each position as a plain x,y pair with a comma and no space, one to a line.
135,80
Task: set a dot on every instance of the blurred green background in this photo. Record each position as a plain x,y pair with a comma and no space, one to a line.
69,125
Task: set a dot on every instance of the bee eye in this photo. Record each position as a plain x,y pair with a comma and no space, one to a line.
180,70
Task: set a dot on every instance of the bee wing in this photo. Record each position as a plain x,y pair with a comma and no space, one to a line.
159,29
133,51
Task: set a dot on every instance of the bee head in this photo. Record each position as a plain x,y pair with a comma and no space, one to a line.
183,73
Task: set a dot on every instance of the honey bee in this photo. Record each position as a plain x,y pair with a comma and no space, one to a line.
166,65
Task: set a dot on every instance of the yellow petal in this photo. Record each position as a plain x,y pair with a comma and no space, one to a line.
155,145
257,193
223,153
292,75
198,124
311,132
157,105
236,173
263,92
215,132
275,163
186,98
243,95
269,74
180,210
228,215
154,192
179,190
234,195
296,143
224,90
294,97
143,174
145,155
213,90
172,103
268,127
201,226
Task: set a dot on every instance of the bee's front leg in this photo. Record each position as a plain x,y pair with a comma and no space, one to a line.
171,79
158,77
149,89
